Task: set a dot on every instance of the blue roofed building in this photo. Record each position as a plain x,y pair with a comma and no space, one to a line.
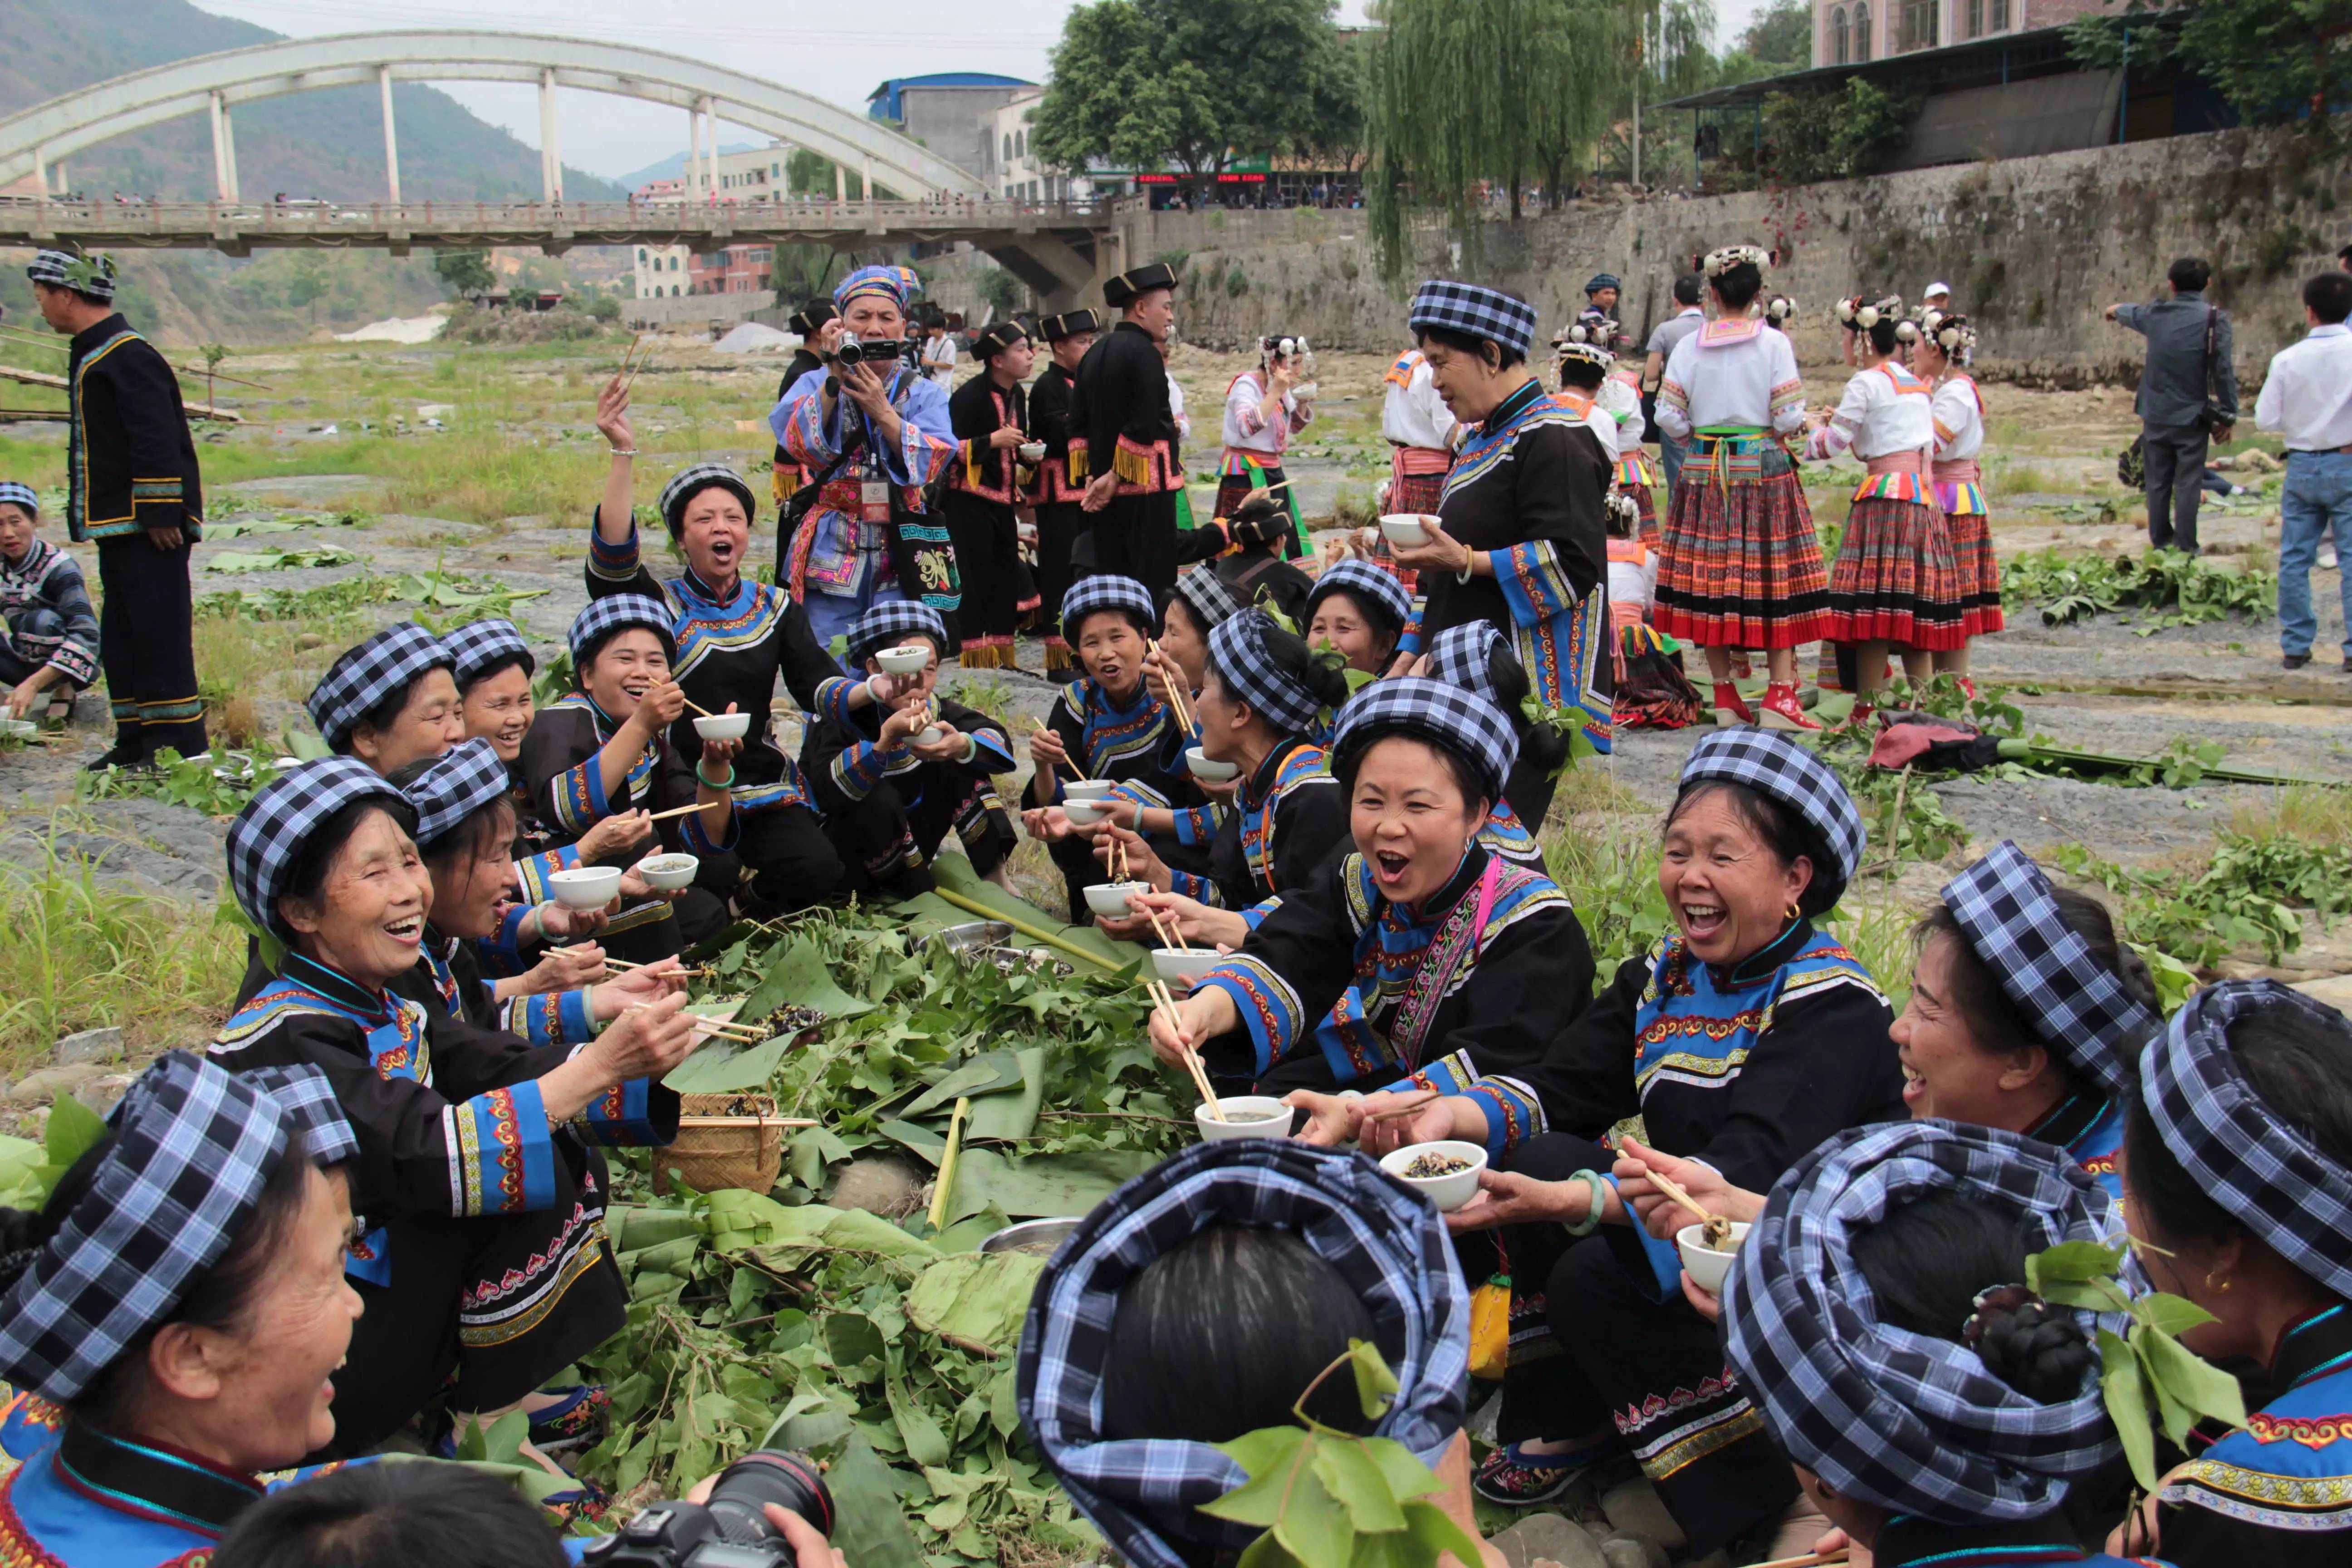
953,113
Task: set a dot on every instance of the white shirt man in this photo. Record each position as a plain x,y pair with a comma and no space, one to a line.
2307,398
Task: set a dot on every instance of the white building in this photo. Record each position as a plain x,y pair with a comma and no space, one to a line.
663,270
1016,174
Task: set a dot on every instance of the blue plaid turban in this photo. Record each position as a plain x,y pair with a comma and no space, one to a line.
2250,1157
478,645
618,612
93,275
897,284
1205,594
1237,652
453,786
268,837
1388,1245
1909,1421
1371,588
1463,655
892,622
1089,595
1476,311
367,676
691,481
193,1146
1602,281
1461,721
2009,914
1773,765
15,494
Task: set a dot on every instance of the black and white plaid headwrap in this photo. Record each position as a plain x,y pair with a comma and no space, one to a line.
478,645
614,612
892,622
267,835
193,1146
453,786
1237,653
2009,914
1475,310
93,275
1461,721
1205,594
15,494
1388,1245
2254,1161
1104,591
1907,1421
691,481
1463,655
358,682
1367,584
1790,773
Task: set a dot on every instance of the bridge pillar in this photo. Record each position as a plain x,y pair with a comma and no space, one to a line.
391,141
693,170
710,146
550,138
869,183
41,169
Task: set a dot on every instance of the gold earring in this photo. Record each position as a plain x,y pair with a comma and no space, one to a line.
1793,914
2220,1290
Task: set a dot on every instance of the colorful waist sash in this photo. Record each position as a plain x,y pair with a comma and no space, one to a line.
1740,460
1957,490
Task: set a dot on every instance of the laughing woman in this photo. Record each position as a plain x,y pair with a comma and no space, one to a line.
391,701
1743,1038
488,1256
1360,610
606,747
1460,965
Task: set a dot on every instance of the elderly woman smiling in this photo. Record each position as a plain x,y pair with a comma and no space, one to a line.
172,1316
489,1256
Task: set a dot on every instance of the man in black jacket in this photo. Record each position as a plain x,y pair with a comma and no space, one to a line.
2188,397
1134,469
1060,480
131,485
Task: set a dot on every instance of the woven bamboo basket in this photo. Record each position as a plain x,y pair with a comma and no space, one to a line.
724,1141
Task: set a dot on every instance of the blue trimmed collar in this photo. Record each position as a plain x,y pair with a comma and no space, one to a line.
162,1484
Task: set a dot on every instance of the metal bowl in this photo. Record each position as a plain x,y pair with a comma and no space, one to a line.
967,939
1038,1236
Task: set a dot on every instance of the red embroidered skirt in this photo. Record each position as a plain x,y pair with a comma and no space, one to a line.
1896,579
1980,570
1740,567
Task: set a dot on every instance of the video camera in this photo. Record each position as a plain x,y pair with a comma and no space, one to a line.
852,350
731,1530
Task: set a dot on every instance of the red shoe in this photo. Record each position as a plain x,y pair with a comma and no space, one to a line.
1727,700
1740,668
1860,718
1967,686
1782,711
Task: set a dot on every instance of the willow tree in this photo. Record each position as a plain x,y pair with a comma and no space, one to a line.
1498,94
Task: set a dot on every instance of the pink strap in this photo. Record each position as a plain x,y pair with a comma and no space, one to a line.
1487,885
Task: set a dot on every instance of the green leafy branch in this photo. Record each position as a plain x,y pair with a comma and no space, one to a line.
1329,1499
2147,1369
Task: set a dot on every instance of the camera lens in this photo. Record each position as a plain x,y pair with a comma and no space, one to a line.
768,1476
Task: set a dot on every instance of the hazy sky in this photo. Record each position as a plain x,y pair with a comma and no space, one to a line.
801,44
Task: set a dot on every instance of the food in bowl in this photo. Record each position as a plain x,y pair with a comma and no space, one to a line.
1184,965
1033,451
586,887
723,726
1110,898
1710,1265
1435,1164
669,872
1204,767
1444,1171
1406,527
908,658
1246,1116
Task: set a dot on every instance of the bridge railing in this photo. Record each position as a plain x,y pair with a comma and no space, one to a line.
132,218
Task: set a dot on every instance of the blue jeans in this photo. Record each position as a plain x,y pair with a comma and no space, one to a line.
1670,457
2317,497
831,616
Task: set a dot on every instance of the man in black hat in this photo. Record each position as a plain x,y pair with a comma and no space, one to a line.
1132,461
818,325
131,485
1060,482
989,413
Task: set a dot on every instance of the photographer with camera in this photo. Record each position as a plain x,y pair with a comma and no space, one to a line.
874,437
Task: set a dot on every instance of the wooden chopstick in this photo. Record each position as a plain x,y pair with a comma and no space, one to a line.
1809,1560
1667,1186
1176,702
624,963
698,706
1419,1103
678,811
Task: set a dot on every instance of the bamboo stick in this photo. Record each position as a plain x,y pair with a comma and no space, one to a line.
944,1188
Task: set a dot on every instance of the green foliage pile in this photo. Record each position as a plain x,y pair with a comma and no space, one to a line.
2247,896
2150,592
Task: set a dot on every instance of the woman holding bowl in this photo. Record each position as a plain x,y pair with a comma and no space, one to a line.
1743,1036
1460,963
487,1257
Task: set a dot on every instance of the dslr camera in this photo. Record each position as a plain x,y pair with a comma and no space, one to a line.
731,1530
852,350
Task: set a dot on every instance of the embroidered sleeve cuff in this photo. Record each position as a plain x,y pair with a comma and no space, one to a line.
578,798
553,1018
638,1114
1410,641
1254,915
697,837
501,1152
74,664
800,428
858,769
1193,886
612,562
532,871
1270,1010
992,752
832,698
1513,1113
506,947
1195,826
1532,581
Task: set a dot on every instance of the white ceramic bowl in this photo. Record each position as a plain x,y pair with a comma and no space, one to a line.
1110,898
1448,1192
586,887
1184,965
1085,813
1303,392
669,872
906,660
1088,789
1406,527
1706,1267
723,726
1203,768
1033,451
931,732
1246,1116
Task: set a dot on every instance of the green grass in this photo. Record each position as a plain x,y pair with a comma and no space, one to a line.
82,956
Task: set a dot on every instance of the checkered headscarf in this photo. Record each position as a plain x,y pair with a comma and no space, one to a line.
1367,584
93,275
2005,906
1790,773
453,786
892,622
1905,1420
691,481
15,494
1237,652
478,645
1205,594
2250,1157
897,284
1461,721
269,835
1104,591
1390,1247
359,681
1463,655
1475,310
194,1145
616,612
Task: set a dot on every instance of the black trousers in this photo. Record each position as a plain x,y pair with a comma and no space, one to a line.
146,644
1135,536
